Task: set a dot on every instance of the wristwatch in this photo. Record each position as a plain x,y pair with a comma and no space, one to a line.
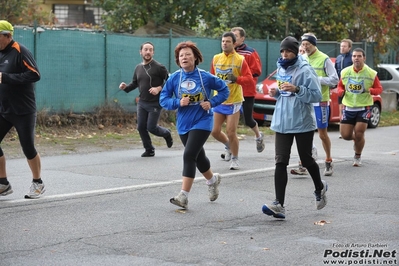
296,89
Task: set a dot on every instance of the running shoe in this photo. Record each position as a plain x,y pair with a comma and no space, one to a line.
357,161
213,189
300,171
180,200
169,139
321,198
328,171
149,153
260,146
5,189
36,190
234,164
275,209
226,155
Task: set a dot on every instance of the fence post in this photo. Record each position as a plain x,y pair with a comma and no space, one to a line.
105,67
364,43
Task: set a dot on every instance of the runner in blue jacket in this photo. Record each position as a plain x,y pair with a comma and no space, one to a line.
298,88
189,90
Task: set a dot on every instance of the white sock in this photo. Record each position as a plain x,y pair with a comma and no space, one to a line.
184,192
211,181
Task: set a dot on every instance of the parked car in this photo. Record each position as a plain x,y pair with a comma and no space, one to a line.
264,104
389,78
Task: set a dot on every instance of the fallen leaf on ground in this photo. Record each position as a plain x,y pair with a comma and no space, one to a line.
322,222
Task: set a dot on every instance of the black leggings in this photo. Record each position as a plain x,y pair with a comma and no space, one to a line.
304,143
25,126
247,109
194,154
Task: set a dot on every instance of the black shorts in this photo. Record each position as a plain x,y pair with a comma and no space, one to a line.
352,117
25,126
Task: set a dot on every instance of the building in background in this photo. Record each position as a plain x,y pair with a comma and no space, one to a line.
73,12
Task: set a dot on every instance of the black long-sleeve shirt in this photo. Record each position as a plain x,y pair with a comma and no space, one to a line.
146,76
19,74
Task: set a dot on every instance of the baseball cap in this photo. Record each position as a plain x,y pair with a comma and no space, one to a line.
6,27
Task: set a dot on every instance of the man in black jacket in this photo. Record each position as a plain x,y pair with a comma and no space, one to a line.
18,74
343,60
149,76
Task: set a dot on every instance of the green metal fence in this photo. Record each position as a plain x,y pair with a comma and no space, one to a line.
81,70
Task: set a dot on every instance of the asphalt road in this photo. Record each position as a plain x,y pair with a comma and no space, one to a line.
112,208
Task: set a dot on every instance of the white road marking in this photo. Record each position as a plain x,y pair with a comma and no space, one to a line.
127,188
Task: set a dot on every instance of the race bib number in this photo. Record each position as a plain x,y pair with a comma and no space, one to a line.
223,74
354,86
192,90
280,81
194,99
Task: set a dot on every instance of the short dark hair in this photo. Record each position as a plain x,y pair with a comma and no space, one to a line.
193,47
229,34
359,50
141,47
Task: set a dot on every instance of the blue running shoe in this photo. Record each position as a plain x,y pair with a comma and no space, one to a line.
275,209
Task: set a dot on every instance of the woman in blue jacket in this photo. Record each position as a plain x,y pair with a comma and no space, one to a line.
189,90
298,88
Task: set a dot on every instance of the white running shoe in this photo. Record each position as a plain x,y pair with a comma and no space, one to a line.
180,200
213,189
234,164
36,190
226,155
357,161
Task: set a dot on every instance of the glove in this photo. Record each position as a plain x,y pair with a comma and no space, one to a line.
231,77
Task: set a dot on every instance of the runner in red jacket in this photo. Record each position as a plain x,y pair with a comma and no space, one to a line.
254,63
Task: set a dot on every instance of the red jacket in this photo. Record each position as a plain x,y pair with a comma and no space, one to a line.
254,63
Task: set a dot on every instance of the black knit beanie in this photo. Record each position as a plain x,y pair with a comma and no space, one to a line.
291,44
